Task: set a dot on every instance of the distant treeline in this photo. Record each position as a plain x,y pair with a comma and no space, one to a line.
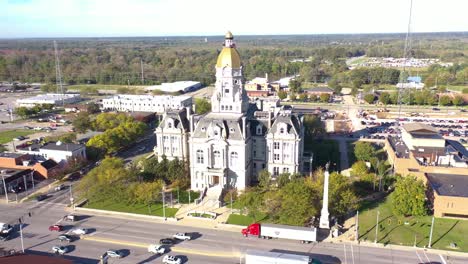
118,60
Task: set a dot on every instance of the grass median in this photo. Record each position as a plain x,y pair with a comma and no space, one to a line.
155,209
410,231
9,135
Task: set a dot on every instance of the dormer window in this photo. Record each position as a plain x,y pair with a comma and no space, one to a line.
231,130
282,130
169,125
203,129
259,130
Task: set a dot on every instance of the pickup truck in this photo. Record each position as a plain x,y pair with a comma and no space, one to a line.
156,249
182,236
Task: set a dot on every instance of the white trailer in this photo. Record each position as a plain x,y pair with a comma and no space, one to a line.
304,234
262,257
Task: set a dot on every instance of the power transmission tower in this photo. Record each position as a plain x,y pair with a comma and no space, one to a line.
58,72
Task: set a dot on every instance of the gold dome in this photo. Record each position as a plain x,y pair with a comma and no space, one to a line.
229,35
229,57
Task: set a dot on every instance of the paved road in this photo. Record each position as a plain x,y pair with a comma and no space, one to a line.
212,246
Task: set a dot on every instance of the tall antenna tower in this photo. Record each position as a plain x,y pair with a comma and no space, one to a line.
58,72
142,75
405,61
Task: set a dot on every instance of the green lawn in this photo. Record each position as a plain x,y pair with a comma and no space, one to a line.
405,230
457,88
156,209
9,135
324,151
244,220
184,196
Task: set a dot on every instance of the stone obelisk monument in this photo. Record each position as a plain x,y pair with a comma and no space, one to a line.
324,222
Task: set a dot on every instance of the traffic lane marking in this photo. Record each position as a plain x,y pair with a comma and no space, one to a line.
175,248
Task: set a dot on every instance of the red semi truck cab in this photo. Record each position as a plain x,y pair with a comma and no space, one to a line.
253,230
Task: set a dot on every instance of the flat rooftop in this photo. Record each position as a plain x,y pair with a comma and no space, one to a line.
399,147
449,184
11,155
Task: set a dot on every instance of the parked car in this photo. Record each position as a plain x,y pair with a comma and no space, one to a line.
156,249
79,231
41,197
114,253
166,241
57,228
182,236
59,249
168,259
66,238
19,138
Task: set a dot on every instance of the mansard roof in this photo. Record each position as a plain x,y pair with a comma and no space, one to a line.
180,119
292,121
231,124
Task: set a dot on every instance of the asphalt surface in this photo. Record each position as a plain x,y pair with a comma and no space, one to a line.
209,246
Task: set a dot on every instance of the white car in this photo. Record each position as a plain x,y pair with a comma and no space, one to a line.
168,259
182,236
59,249
156,249
79,231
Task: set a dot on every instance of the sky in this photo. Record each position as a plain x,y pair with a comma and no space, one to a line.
127,18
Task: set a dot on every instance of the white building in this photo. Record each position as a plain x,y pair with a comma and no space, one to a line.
49,98
227,147
181,86
146,103
57,151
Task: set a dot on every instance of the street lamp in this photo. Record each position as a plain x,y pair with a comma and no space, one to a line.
164,201
377,227
4,186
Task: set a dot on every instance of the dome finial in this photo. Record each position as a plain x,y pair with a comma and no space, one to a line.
229,35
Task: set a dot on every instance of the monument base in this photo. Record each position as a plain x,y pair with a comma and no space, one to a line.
324,223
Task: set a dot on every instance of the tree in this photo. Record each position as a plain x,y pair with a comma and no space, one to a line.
458,100
335,85
303,97
296,207
313,126
251,200
359,169
202,106
82,122
49,88
364,151
283,179
384,98
147,192
409,197
343,200
264,179
369,98
282,95
445,100
325,98
23,112
292,97
92,108
68,138
295,85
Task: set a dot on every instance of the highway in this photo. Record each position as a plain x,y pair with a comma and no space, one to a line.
209,246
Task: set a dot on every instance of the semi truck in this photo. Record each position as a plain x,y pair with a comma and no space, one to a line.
262,257
268,231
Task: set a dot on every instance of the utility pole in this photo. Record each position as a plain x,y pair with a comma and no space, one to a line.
430,235
21,234
71,197
189,200
4,186
357,226
377,227
164,202
178,197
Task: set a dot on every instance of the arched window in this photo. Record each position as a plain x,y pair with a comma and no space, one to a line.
169,125
282,130
234,158
200,156
259,129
